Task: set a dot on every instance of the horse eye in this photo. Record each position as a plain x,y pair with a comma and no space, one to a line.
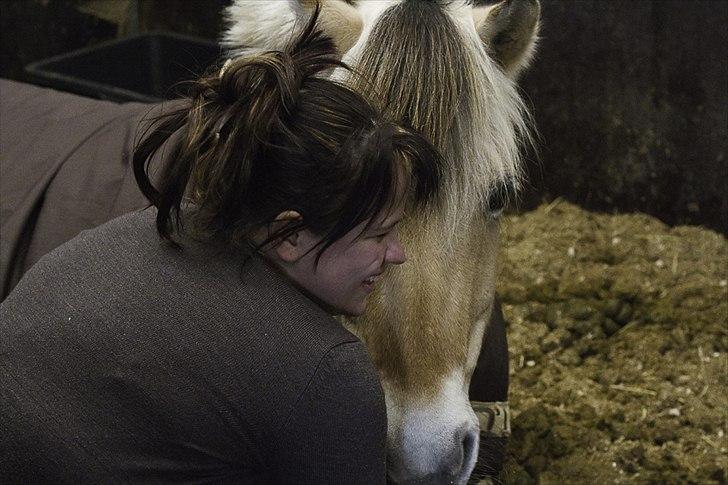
497,201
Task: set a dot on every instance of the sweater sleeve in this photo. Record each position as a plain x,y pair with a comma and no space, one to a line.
337,430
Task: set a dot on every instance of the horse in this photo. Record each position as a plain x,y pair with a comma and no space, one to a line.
448,69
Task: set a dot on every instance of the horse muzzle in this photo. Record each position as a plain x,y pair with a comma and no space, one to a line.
456,463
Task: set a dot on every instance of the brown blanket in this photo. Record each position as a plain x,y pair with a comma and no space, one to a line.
65,166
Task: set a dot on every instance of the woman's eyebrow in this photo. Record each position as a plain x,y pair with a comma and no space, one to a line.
390,226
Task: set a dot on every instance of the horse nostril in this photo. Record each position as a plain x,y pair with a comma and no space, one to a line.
469,451
469,443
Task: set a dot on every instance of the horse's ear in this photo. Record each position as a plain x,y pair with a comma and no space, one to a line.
340,20
254,26
509,30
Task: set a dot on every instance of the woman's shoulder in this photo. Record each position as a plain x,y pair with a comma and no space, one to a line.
336,429
350,366
125,234
304,334
123,272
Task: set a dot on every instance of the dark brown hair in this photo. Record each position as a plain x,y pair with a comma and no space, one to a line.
269,134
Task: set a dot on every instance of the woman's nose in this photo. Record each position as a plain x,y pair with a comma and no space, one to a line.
395,251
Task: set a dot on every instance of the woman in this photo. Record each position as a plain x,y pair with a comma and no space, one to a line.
212,355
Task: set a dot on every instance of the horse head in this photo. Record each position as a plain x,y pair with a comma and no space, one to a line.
448,69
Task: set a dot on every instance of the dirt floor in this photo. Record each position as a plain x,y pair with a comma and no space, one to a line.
618,337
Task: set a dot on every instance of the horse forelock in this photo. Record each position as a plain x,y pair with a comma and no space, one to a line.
424,64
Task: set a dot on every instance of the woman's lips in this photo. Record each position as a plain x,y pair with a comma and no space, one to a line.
369,282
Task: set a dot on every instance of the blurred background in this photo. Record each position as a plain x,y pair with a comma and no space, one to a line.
629,97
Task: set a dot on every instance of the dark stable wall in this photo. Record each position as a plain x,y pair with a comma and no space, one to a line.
33,30
630,100
629,96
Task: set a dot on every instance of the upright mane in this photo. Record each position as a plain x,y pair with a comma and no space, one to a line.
426,69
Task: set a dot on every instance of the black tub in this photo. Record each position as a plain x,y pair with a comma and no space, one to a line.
146,67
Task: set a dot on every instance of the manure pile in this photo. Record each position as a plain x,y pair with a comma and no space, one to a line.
617,330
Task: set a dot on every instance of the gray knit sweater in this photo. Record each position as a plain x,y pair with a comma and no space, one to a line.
124,360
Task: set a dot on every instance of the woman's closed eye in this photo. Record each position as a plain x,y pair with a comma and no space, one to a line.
381,233
379,236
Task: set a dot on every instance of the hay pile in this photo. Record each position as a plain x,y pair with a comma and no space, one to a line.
618,340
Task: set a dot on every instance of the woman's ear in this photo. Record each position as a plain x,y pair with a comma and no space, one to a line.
290,249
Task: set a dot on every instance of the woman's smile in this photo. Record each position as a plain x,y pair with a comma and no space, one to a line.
369,282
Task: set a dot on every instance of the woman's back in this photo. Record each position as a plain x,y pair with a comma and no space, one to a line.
178,368
194,341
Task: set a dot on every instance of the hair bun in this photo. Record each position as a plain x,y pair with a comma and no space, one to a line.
271,133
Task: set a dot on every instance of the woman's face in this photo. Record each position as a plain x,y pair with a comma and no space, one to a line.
347,271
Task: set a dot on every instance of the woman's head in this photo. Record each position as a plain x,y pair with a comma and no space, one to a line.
269,146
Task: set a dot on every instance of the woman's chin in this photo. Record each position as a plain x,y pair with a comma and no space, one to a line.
353,309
